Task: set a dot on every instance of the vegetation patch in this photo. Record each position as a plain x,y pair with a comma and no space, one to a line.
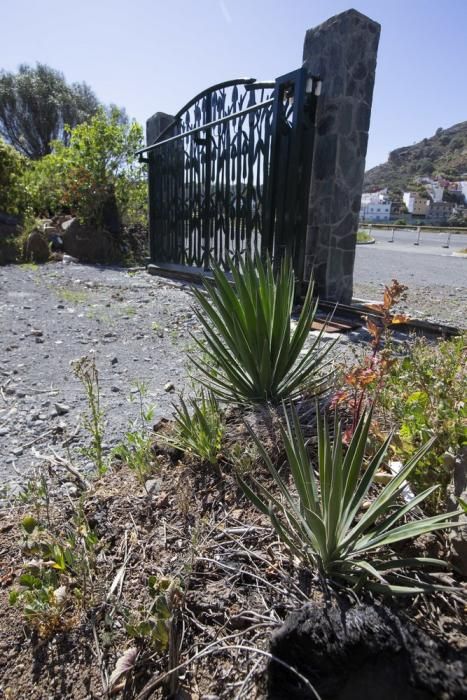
168,570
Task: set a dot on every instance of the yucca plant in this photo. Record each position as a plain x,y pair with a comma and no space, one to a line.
200,431
325,524
250,352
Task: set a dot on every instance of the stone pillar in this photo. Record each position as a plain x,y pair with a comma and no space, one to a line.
342,52
155,125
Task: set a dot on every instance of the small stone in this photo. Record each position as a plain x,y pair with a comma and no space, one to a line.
39,340
17,451
115,389
4,431
170,386
61,409
70,488
37,333
114,360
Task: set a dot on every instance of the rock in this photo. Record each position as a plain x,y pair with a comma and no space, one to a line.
170,386
61,409
115,389
365,651
152,485
17,451
67,259
70,488
88,243
458,489
114,361
37,248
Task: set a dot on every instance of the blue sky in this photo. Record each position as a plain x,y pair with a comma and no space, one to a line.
154,55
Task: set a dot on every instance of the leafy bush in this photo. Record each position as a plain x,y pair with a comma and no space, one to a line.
325,524
251,355
425,395
12,188
97,164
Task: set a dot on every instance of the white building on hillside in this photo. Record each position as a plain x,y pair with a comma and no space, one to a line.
375,206
416,204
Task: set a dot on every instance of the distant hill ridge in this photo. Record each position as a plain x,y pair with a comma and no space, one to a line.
442,155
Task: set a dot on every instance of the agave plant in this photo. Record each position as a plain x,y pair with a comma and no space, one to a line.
250,352
325,524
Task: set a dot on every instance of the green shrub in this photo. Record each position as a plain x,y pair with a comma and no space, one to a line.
425,396
98,163
13,195
364,237
251,355
325,524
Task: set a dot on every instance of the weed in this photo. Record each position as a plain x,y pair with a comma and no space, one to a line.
136,450
35,493
31,266
154,624
57,574
86,371
129,311
365,380
72,296
199,433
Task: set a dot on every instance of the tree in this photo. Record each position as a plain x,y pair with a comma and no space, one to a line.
35,106
97,164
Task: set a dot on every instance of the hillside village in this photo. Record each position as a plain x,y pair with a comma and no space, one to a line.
431,202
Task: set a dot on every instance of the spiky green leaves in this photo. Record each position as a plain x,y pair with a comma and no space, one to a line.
251,354
322,518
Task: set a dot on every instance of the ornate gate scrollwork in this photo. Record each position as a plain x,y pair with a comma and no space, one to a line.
230,173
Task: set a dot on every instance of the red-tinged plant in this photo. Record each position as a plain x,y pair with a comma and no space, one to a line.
364,381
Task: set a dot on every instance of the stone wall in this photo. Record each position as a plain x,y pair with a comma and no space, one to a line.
342,52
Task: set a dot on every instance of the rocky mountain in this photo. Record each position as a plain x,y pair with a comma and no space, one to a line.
444,155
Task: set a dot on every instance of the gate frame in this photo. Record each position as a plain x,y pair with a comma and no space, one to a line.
285,200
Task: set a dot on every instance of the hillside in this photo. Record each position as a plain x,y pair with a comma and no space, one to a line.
444,154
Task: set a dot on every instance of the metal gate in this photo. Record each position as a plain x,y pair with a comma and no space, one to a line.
230,175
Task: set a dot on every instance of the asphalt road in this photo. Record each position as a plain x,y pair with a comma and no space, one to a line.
433,243
429,263
437,280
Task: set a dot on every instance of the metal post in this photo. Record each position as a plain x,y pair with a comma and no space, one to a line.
448,240
418,237
391,240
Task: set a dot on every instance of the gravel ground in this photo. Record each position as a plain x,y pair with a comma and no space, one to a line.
138,328
437,283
